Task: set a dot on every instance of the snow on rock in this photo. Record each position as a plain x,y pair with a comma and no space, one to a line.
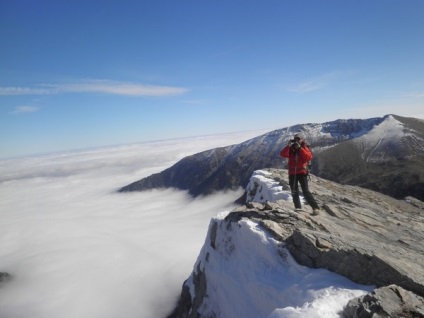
263,189
249,274
387,137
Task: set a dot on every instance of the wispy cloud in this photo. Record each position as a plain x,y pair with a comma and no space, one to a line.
96,86
24,110
8,91
195,101
318,82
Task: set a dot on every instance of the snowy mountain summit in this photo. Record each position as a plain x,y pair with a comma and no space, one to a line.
383,154
361,257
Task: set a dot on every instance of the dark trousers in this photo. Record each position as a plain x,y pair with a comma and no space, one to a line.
294,181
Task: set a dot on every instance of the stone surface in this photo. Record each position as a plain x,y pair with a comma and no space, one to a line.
361,234
386,302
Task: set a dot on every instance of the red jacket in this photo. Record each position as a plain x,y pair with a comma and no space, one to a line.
298,159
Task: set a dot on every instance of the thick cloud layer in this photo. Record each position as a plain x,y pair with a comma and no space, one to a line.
76,248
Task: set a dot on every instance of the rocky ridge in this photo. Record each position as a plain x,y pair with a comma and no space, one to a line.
231,167
363,235
383,154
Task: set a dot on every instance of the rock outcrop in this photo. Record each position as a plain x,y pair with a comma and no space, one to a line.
363,235
386,302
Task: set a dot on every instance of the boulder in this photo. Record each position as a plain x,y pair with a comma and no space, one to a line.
386,302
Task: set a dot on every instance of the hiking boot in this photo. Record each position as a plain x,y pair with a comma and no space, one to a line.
315,212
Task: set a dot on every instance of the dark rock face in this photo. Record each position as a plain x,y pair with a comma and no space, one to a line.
363,235
202,173
186,306
343,152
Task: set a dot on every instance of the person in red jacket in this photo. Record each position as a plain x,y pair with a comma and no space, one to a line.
298,153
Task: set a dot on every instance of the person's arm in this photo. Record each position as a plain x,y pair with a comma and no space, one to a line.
305,153
285,153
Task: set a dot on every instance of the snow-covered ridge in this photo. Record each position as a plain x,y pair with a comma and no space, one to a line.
389,139
319,134
263,189
267,260
249,274
343,151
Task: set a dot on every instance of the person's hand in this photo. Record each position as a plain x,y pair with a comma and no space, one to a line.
296,145
290,143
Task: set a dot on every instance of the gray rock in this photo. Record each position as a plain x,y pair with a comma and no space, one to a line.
361,234
255,205
386,302
415,202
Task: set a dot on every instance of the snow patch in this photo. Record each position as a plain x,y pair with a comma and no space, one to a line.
390,128
249,274
263,189
383,138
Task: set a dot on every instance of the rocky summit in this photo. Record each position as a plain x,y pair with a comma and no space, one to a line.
365,236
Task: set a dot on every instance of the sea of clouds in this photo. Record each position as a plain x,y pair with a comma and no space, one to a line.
76,248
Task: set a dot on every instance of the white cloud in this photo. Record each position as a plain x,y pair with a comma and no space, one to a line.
96,86
24,110
10,91
318,82
196,101
76,248
117,88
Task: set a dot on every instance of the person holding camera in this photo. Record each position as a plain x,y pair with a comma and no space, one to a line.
298,153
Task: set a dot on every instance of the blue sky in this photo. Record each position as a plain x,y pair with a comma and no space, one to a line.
76,74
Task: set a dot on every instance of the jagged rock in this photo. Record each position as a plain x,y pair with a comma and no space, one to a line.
369,237
271,206
363,235
386,302
322,243
187,307
255,205
415,202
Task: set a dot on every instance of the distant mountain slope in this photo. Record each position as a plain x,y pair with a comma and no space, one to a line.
344,151
389,159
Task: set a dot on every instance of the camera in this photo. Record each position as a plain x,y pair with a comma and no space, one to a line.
292,140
